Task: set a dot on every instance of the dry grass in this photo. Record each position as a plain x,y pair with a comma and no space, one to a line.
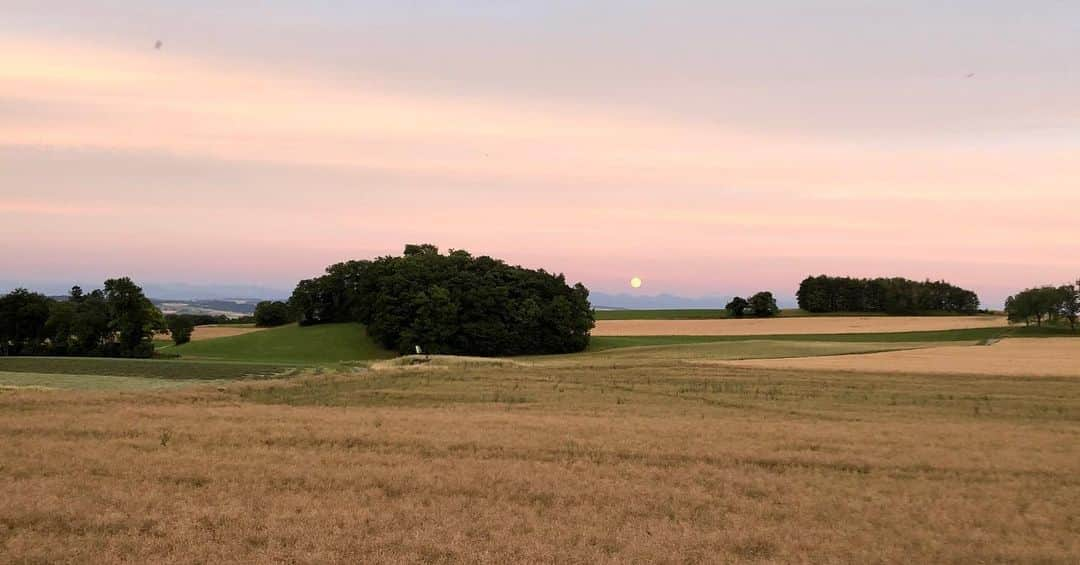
1013,356
646,462
795,326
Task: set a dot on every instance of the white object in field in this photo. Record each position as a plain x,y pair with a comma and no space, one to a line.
418,352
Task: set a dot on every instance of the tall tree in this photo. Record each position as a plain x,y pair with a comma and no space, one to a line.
23,319
133,319
763,305
1070,303
737,307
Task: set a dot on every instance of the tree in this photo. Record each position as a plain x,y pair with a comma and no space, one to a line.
133,319
1070,303
269,314
23,319
763,305
1046,302
90,323
180,328
737,306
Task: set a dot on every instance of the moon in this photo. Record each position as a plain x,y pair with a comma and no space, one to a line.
635,282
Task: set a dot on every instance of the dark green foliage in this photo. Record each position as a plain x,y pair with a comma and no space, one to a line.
117,321
180,328
269,314
133,319
892,295
737,307
453,303
1048,303
23,320
1070,307
763,305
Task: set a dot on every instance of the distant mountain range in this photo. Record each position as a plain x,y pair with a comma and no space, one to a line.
163,291
605,301
241,298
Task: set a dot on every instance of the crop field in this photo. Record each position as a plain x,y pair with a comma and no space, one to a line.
794,325
202,333
90,373
702,314
646,449
1020,357
654,460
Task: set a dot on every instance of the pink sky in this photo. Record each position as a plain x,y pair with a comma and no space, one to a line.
600,141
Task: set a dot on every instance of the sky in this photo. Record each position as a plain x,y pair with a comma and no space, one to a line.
708,147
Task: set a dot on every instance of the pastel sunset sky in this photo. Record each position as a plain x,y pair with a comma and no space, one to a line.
708,147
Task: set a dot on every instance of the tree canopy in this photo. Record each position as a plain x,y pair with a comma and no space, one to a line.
763,305
760,305
1046,303
271,313
116,321
890,295
454,303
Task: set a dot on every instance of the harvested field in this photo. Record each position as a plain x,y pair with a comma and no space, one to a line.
657,463
202,333
1013,356
213,332
795,326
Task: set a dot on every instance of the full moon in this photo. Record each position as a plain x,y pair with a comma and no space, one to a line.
635,282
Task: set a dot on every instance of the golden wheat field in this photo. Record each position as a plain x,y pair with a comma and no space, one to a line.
646,460
1013,356
795,325
201,333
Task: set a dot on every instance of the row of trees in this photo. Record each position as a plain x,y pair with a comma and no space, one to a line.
1049,303
117,320
453,303
889,295
761,305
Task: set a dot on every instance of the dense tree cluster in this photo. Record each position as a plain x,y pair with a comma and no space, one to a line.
1050,303
761,305
271,313
180,327
117,321
889,295
453,303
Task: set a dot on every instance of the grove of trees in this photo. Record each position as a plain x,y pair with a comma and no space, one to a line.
117,321
1047,303
760,305
890,295
271,313
454,303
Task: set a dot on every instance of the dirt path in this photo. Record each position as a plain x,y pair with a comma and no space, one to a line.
783,326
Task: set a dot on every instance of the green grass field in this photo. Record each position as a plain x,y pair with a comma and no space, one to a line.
142,368
310,345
